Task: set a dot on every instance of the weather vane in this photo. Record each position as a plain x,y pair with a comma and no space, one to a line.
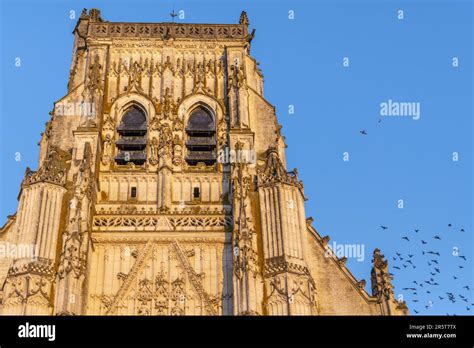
173,14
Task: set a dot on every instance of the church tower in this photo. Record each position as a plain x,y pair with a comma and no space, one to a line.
162,189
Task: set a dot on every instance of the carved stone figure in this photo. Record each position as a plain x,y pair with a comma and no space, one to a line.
154,147
107,151
177,151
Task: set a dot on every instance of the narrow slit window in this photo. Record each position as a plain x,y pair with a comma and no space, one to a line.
133,192
196,193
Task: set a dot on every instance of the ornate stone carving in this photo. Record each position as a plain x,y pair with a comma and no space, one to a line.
108,126
154,147
236,77
278,265
168,107
73,259
165,143
244,19
107,151
135,71
165,294
287,290
274,171
194,279
169,30
52,170
222,133
177,151
94,81
381,278
177,223
140,262
29,289
74,254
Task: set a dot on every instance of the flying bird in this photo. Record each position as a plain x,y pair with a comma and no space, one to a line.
363,132
423,241
384,227
437,237
406,238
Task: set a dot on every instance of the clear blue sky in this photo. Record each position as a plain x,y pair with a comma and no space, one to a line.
407,60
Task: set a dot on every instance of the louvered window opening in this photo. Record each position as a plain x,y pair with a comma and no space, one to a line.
201,138
131,144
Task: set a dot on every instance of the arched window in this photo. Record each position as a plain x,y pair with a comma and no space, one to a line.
132,142
201,138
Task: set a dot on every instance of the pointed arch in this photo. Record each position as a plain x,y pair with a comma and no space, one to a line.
201,135
132,132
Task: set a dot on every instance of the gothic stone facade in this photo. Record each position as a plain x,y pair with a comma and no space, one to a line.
133,210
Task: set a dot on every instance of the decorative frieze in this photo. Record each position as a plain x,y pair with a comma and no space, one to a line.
160,223
166,31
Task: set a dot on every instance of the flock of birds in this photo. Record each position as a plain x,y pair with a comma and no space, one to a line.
428,252
429,286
